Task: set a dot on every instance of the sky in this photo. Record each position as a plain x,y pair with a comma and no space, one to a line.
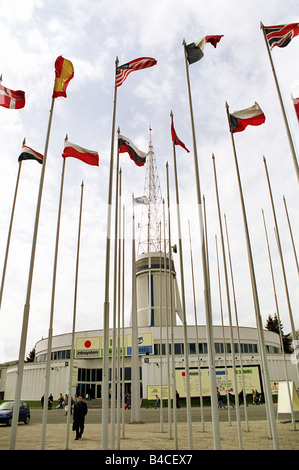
91,34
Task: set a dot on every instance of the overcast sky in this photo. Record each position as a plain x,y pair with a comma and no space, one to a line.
91,34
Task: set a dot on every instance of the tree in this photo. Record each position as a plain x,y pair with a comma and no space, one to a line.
31,356
272,324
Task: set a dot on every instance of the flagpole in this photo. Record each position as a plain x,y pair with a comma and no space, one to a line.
118,314
167,328
196,332
207,293
123,324
135,395
174,406
266,381
113,367
50,336
282,261
187,377
229,313
9,231
281,104
237,326
292,238
279,325
74,326
22,350
105,382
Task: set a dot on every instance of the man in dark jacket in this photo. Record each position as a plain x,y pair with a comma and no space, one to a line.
80,411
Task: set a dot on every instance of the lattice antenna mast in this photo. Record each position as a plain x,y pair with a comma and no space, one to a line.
150,235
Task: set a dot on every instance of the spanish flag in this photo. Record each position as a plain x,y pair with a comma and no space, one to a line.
64,72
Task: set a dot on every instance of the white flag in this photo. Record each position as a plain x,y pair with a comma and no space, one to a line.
141,200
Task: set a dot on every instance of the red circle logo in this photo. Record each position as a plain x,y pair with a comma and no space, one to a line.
87,344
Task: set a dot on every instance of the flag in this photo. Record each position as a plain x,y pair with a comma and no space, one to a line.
195,50
296,106
86,156
253,116
64,72
123,71
143,200
281,35
175,138
126,146
29,154
11,99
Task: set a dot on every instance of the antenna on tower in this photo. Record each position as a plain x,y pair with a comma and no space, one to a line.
150,235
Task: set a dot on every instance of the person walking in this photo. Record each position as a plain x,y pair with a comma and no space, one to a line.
80,411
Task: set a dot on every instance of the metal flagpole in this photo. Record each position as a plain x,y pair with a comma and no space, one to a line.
186,352
123,325
282,105
223,334
292,238
196,332
105,382
20,371
237,326
160,343
229,314
281,259
167,328
74,326
118,315
207,293
113,367
50,335
265,369
9,231
174,406
135,395
279,325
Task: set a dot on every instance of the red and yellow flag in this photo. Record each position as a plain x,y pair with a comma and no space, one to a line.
64,72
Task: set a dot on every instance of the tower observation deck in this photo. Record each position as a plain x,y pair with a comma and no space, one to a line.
158,299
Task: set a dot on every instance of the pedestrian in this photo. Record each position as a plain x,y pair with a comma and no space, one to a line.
241,397
61,400
230,397
80,411
157,402
177,395
220,401
253,397
42,400
50,401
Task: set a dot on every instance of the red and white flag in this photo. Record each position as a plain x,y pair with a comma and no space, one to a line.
296,106
11,99
124,70
253,116
87,156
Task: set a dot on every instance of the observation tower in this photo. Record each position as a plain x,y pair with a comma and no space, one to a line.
158,300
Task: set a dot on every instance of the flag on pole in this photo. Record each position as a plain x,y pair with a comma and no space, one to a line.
11,99
124,70
143,200
87,156
296,106
253,116
195,50
281,35
175,138
126,146
64,72
29,154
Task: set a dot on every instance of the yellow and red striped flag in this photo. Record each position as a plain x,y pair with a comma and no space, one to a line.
64,72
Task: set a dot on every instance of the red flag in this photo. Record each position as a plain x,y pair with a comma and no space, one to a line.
11,99
86,156
123,71
175,138
281,35
296,106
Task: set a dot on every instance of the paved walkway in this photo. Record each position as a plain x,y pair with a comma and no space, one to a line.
148,436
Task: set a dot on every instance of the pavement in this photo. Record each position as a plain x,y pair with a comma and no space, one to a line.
155,436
